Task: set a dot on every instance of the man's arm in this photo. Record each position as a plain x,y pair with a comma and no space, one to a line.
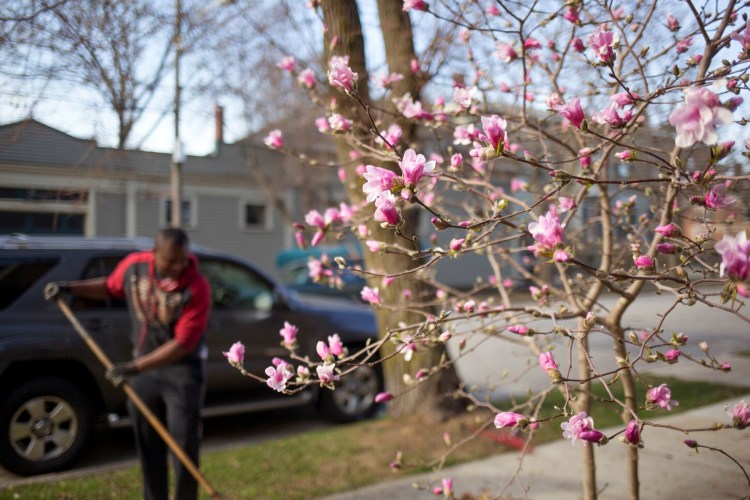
95,288
166,354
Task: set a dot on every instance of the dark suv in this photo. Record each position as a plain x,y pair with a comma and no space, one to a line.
53,393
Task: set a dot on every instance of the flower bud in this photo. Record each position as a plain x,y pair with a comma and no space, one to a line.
633,433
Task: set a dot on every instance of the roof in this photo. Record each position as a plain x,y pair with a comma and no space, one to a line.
30,142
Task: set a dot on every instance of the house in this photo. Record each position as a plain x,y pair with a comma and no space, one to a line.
53,183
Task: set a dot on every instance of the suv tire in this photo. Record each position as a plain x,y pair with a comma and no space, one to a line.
44,424
354,396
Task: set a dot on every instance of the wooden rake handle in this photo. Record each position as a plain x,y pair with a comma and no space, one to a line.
138,402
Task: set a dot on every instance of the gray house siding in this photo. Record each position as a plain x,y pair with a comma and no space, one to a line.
110,214
124,193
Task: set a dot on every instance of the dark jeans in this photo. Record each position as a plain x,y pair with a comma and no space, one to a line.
174,394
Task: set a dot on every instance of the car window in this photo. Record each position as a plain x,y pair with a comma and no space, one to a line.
97,267
17,275
235,286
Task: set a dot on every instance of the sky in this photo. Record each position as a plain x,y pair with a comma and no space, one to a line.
83,114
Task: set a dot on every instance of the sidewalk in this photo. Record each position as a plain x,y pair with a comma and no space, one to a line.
668,468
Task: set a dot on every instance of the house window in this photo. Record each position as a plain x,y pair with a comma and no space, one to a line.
188,212
254,215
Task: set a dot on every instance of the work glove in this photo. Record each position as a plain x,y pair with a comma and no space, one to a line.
120,372
53,289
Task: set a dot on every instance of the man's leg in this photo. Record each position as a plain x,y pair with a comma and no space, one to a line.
152,451
184,399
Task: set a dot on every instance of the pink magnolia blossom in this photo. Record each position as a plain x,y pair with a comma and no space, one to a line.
413,109
672,23
303,373
633,433
519,329
378,180
740,415
317,271
644,262
492,10
571,15
670,230
672,355
391,137
407,347
626,156
696,120
287,64
623,99
573,112
447,487
456,161
339,124
565,203
456,244
666,248
465,135
289,333
273,140
495,132
585,158
340,74
602,42
547,362
581,427
383,397
322,124
662,397
463,96
577,44
547,232
532,44
517,184
735,256
335,346
415,5
505,52
508,419
370,295
385,209
610,116
306,78
236,354
386,81
553,101
326,373
414,167
315,219
716,198
278,376
317,238
683,45
322,349
374,245
742,36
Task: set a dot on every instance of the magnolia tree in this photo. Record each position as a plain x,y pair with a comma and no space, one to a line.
581,148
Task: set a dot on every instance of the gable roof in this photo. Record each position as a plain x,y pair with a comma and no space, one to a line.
34,144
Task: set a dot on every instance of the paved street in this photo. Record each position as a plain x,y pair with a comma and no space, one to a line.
507,366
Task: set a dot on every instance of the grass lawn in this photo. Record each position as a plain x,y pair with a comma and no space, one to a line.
350,456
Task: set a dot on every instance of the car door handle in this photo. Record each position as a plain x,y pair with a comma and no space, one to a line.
98,325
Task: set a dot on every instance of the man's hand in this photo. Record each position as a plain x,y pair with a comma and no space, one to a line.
54,289
120,372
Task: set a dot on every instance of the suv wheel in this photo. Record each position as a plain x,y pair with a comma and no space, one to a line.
44,424
354,396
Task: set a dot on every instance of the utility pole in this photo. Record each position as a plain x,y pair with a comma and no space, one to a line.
178,155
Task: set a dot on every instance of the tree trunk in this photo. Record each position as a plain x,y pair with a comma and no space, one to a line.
431,398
